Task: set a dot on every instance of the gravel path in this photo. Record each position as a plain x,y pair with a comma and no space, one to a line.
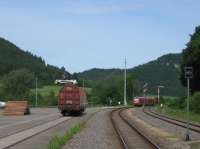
179,131
41,140
98,134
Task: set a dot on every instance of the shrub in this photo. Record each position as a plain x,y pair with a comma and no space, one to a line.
195,102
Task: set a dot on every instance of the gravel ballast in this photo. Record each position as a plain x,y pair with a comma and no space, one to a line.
98,134
177,130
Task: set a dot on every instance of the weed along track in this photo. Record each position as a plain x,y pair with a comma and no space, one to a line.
60,141
129,135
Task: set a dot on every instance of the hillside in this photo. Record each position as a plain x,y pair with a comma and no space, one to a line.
97,74
163,71
13,58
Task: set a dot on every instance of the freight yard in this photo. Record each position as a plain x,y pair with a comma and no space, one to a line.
107,74
73,126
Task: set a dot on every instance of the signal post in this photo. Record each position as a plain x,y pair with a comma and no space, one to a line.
188,75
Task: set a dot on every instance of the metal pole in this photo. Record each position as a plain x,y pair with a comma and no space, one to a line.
133,91
158,95
83,84
188,97
144,92
159,87
144,99
36,94
125,102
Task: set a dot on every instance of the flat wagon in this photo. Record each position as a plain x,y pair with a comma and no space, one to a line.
71,99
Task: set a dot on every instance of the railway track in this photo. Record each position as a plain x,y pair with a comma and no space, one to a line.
193,127
129,135
14,128
22,135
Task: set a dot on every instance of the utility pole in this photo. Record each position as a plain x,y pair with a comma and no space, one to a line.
133,91
125,102
159,93
83,84
187,138
36,93
188,76
144,92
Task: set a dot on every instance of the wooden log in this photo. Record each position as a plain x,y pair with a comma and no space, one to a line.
15,108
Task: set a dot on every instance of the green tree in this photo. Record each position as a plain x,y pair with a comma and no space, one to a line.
13,58
191,57
16,84
52,99
113,90
195,102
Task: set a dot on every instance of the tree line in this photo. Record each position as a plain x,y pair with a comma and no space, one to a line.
18,70
190,58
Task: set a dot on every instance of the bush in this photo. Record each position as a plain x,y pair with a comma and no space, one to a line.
178,102
51,99
43,100
17,84
195,102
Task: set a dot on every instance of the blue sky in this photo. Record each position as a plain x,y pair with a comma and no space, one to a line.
83,34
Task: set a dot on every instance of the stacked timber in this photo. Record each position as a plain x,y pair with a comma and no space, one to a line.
15,108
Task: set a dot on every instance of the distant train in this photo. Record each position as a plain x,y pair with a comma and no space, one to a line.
72,99
139,101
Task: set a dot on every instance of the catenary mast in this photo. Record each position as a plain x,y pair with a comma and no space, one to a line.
125,102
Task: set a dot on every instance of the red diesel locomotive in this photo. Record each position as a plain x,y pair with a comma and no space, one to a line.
72,99
139,101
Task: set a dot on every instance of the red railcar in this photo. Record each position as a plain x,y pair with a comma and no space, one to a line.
72,99
139,101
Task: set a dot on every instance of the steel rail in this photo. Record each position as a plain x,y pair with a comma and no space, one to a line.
122,139
178,120
11,145
153,144
173,121
24,129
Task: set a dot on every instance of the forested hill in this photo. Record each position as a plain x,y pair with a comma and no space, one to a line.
14,58
163,71
97,74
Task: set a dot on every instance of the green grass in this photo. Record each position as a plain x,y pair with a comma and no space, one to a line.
179,114
58,141
44,91
88,90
